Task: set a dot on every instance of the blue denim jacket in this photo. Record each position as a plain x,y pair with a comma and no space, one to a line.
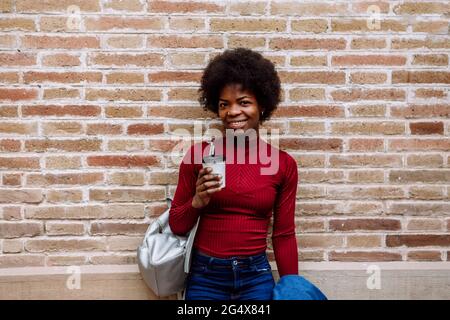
295,287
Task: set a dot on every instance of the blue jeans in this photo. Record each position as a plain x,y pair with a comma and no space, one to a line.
235,278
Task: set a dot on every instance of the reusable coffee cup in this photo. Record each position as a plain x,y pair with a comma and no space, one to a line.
217,164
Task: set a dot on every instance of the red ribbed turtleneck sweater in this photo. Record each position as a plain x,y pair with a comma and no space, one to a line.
236,220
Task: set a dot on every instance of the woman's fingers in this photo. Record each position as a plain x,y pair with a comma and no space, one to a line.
213,190
211,184
207,183
206,177
201,174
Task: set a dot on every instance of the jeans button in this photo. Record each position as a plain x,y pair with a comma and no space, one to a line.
235,262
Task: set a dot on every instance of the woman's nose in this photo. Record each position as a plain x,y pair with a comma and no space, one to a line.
234,109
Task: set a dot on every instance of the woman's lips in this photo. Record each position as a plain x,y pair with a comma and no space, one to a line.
237,125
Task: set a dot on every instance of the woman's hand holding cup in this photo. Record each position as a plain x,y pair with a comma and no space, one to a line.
207,184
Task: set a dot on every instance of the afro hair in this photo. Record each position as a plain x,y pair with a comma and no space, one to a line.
247,68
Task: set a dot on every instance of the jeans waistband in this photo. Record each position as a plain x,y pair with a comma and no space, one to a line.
248,260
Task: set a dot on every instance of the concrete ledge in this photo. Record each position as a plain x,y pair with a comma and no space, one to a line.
338,280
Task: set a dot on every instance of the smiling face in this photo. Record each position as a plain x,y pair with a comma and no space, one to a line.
238,109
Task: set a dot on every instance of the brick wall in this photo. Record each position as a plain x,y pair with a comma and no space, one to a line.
93,91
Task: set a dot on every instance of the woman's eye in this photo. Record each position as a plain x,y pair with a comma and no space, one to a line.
245,102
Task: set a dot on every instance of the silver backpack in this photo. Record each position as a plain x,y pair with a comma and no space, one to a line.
164,258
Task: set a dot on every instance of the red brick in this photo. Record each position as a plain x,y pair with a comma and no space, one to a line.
247,24
9,77
364,224
124,94
61,110
374,161
104,128
312,77
123,112
127,195
368,128
429,42
17,59
117,228
20,196
6,6
62,77
21,260
69,245
61,60
114,259
64,228
424,256
320,111
163,145
175,41
368,43
362,256
61,93
123,161
430,59
368,94
311,144
307,44
366,145
18,128
64,179
19,163
361,60
421,111
176,112
427,128
145,129
117,23
418,144
420,77
418,209
365,25
185,7
56,5
48,145
126,59
421,8
10,230
424,93
59,128
65,196
17,24
365,7
425,176
58,42
12,179
9,145
316,8
18,94
418,240
11,213
125,78
174,76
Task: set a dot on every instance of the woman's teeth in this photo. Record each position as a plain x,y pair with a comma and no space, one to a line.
237,124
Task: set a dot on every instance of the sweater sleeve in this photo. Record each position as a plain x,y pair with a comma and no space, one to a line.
283,234
182,215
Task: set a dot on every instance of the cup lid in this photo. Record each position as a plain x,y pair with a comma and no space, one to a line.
213,159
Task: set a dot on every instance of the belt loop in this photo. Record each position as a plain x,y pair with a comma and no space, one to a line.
211,259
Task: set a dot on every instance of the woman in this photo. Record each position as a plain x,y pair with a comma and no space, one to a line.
229,259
